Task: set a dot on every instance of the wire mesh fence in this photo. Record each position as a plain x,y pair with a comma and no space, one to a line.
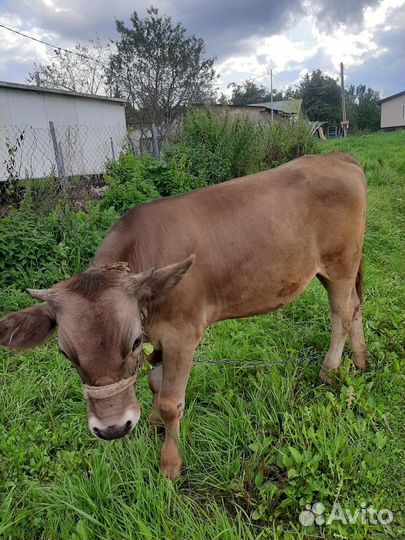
60,159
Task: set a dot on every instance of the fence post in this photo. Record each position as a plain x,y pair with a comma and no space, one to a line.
60,164
155,142
112,148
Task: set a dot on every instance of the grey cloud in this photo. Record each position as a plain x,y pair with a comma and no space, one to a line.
233,27
332,13
382,70
228,27
320,60
385,70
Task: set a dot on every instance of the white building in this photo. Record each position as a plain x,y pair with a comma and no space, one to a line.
89,131
393,111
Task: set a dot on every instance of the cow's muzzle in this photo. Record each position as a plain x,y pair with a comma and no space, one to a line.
121,422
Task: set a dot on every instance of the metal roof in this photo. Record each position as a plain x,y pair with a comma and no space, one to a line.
288,106
391,97
44,90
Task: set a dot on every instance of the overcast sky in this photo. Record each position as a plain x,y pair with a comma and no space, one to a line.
247,36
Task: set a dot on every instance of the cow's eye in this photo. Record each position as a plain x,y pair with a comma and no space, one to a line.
64,354
136,344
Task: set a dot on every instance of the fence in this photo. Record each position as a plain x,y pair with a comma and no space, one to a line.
31,153
64,157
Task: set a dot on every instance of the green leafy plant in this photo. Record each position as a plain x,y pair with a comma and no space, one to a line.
215,147
127,183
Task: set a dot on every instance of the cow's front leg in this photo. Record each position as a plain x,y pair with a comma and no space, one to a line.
177,361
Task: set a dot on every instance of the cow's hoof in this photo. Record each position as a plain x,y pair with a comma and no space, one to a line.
171,470
360,361
328,376
170,460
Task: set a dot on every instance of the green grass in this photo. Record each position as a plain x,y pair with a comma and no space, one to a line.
258,443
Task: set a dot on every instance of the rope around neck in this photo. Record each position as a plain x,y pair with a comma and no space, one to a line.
110,390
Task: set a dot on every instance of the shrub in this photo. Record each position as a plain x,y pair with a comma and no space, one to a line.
285,142
216,147
128,184
38,251
210,149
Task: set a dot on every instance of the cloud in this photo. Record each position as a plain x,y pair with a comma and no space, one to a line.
384,68
246,36
228,26
231,27
332,13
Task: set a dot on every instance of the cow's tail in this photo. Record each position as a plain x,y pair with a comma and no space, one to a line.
359,279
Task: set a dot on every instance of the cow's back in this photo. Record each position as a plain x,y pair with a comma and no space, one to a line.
258,240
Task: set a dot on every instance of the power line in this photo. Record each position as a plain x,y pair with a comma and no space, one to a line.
52,45
81,55
285,82
251,79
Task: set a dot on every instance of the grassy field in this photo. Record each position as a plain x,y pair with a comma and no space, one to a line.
259,443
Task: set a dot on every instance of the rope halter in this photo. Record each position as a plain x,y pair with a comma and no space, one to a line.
110,390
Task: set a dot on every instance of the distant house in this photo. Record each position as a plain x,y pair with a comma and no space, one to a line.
89,131
393,111
286,109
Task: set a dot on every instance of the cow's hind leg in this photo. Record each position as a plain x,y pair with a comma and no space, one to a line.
357,341
343,302
155,382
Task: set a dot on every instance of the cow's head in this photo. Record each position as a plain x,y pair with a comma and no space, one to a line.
98,315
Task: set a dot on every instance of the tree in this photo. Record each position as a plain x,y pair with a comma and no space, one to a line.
80,72
222,100
291,93
159,68
321,98
362,106
352,107
249,92
368,115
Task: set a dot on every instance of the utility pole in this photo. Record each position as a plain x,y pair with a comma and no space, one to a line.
344,123
271,94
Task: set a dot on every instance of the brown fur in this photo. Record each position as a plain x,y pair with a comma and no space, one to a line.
96,280
257,242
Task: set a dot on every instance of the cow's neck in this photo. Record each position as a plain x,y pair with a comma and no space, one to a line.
113,250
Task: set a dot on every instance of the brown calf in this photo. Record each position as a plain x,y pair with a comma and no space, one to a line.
240,248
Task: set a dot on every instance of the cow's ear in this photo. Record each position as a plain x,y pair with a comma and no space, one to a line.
154,284
27,328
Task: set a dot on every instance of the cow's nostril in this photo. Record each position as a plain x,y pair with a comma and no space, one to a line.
114,431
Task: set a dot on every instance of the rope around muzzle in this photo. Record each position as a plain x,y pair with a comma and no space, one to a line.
110,390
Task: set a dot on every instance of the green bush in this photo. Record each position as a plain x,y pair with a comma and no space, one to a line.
211,148
216,147
285,142
127,183
37,251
